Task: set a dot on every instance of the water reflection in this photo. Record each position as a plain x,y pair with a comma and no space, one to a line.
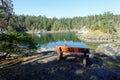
54,37
49,41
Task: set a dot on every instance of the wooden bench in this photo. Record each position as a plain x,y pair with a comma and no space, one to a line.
72,51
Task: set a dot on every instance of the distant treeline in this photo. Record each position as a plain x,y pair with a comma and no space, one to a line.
107,22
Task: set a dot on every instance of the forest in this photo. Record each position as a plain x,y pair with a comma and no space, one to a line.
107,22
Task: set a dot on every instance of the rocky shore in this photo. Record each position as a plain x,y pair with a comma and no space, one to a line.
98,40
97,36
111,50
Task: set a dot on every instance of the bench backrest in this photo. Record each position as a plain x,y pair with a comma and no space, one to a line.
72,49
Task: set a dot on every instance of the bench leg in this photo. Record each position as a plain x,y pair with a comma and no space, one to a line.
84,61
60,55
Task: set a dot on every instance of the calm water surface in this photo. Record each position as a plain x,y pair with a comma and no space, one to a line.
50,40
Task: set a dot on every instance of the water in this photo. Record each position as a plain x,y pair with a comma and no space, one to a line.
66,43
51,40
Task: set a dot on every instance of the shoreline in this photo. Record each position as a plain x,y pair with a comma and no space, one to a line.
60,31
96,40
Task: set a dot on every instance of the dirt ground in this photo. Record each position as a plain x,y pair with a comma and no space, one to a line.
44,66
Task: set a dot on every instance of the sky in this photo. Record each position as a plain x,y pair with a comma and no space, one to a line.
65,8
